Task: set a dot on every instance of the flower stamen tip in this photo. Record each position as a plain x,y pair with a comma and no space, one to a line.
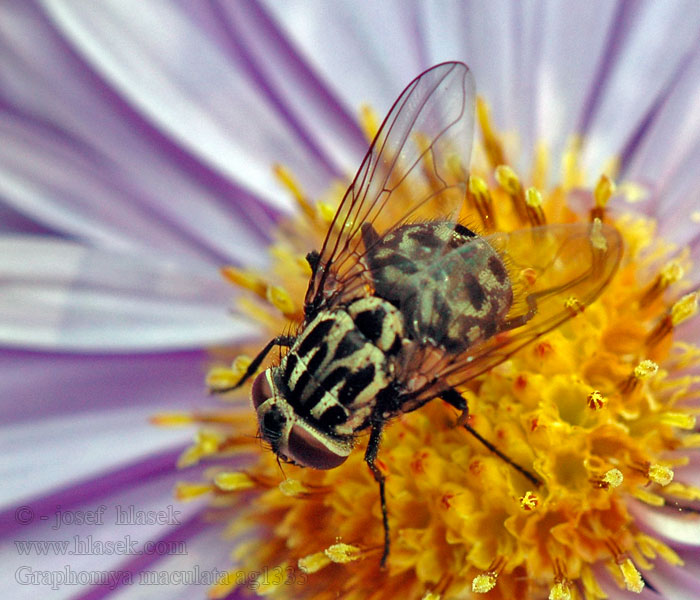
596,400
560,591
645,370
342,553
613,478
685,308
529,501
632,577
660,474
484,582
292,488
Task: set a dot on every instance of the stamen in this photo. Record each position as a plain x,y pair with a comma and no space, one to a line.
670,274
533,201
492,144
596,400
613,478
221,378
682,310
171,419
282,301
660,474
529,501
369,121
632,578
644,370
431,596
287,179
479,196
245,280
574,305
484,583
560,591
573,175
343,553
510,183
206,444
681,490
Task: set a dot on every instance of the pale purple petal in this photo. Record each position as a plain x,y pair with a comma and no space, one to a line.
60,295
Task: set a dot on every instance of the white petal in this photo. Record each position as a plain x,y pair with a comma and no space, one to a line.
60,295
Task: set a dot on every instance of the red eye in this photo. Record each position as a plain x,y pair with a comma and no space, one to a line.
261,389
309,450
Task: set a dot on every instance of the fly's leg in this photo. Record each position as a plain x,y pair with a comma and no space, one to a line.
453,397
280,340
375,438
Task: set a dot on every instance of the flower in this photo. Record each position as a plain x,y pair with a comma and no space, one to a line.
133,171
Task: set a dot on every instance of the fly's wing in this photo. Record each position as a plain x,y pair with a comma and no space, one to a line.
416,167
555,271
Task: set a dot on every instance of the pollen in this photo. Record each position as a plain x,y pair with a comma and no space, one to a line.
598,411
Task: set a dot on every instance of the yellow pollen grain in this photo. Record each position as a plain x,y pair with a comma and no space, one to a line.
660,474
292,488
646,369
369,121
314,562
529,501
648,497
186,491
281,300
633,579
678,419
596,400
560,591
234,481
507,179
671,273
533,197
484,583
431,596
613,478
342,553
604,190
685,308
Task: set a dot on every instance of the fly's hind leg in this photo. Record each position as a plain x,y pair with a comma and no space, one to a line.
280,340
375,438
453,397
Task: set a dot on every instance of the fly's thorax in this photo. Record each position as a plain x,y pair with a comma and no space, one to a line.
450,285
326,387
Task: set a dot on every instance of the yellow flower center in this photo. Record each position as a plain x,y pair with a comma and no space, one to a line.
593,409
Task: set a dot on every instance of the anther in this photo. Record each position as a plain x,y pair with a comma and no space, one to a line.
313,562
560,591
529,501
644,370
596,400
574,305
632,578
682,310
287,179
235,481
660,474
669,274
533,203
186,491
343,553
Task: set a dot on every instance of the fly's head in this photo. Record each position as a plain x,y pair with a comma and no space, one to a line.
293,438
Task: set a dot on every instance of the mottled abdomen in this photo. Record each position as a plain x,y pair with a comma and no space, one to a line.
450,285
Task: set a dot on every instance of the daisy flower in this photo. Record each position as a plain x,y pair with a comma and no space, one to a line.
165,168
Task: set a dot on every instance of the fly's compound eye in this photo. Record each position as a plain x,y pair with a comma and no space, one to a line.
310,449
261,389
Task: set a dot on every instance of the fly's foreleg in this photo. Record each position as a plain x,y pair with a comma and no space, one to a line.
453,397
370,456
280,340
